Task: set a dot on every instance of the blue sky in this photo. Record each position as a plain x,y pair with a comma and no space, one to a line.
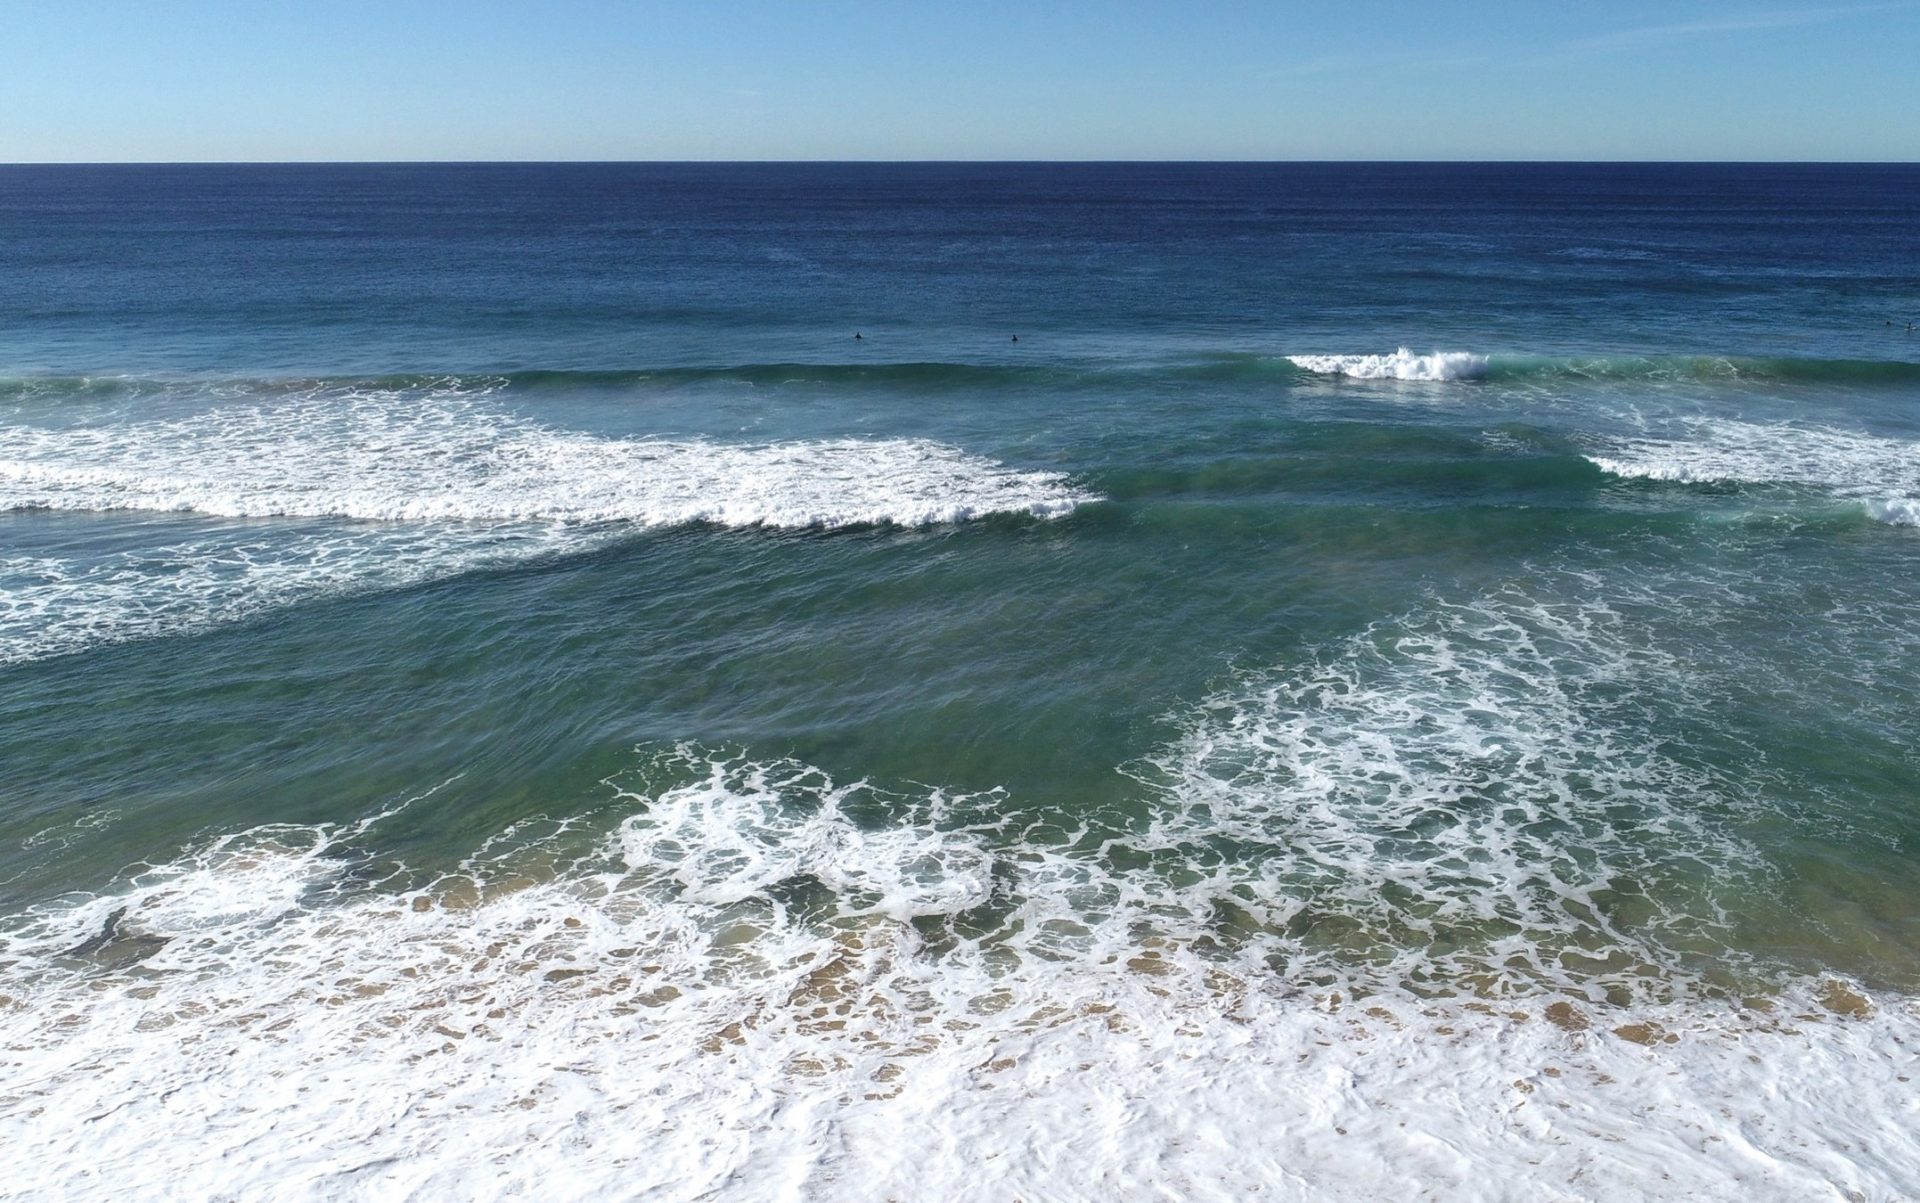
1049,79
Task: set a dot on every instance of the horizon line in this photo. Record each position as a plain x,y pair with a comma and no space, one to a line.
947,162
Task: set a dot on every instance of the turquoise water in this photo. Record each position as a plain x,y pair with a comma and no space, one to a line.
1469,586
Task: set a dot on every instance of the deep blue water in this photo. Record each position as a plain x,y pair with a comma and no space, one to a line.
399,268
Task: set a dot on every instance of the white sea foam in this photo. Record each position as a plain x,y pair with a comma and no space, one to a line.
1358,945
744,828
1403,364
626,1029
1881,474
382,457
386,487
1894,511
1473,768
50,605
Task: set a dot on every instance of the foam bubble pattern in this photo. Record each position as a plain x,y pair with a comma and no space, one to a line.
246,1020
1475,778
1403,364
1880,474
395,457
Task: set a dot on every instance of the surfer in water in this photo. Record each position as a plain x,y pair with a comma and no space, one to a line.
857,338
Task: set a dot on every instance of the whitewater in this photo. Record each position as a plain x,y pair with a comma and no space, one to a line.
246,1020
1244,681
420,483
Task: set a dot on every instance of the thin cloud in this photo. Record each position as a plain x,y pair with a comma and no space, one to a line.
1681,31
1457,57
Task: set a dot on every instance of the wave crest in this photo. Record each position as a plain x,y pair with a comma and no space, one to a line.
365,457
1403,364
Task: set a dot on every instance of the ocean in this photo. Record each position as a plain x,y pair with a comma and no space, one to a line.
940,681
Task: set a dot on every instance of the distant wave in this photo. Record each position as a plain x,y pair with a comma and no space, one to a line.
934,374
1708,367
1403,364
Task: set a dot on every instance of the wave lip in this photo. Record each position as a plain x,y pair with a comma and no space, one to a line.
1894,511
1403,364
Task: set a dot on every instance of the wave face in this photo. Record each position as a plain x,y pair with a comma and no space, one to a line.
383,487
1391,895
1732,368
963,379
1401,365
1882,475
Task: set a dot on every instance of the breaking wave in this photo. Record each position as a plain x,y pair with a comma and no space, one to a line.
444,459
1401,365
380,488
